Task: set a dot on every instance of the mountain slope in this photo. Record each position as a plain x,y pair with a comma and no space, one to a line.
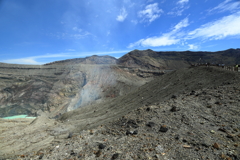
25,89
150,59
62,86
88,60
192,88
159,89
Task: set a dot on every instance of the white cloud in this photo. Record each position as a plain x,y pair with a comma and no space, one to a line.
79,35
227,5
36,60
150,13
70,50
193,47
180,8
122,16
149,1
21,61
178,11
164,40
77,29
182,24
75,33
134,21
219,29
182,1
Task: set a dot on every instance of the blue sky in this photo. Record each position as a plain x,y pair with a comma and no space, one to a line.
37,31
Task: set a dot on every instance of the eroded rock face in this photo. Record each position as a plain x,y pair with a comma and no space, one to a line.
60,88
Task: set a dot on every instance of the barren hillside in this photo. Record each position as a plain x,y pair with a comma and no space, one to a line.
25,89
186,114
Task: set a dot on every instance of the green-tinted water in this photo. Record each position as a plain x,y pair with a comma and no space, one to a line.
18,116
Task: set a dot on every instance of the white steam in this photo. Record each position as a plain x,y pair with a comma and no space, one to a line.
94,81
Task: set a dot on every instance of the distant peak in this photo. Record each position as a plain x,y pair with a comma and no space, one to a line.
149,50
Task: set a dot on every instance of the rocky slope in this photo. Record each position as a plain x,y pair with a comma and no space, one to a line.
65,85
25,89
186,114
149,59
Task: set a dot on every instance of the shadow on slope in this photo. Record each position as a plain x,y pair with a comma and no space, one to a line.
158,90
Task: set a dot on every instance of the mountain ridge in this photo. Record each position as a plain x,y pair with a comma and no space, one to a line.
150,59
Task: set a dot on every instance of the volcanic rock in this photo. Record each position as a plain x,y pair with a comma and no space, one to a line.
163,128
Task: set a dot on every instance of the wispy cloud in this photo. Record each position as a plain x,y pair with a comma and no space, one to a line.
181,6
182,1
182,24
164,40
74,33
150,13
227,26
134,21
22,61
193,47
70,50
33,59
122,16
38,60
77,29
227,5
219,29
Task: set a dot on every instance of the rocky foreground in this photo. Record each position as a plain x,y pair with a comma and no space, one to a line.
187,114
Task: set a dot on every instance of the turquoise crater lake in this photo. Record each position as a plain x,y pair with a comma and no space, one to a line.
18,116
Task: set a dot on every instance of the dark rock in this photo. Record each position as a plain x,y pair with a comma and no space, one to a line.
205,145
70,135
101,146
184,140
98,154
174,96
115,156
128,132
216,145
135,132
163,128
218,103
229,136
132,123
72,153
132,132
148,109
204,93
41,156
209,106
174,109
150,124
192,93
177,137
222,129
